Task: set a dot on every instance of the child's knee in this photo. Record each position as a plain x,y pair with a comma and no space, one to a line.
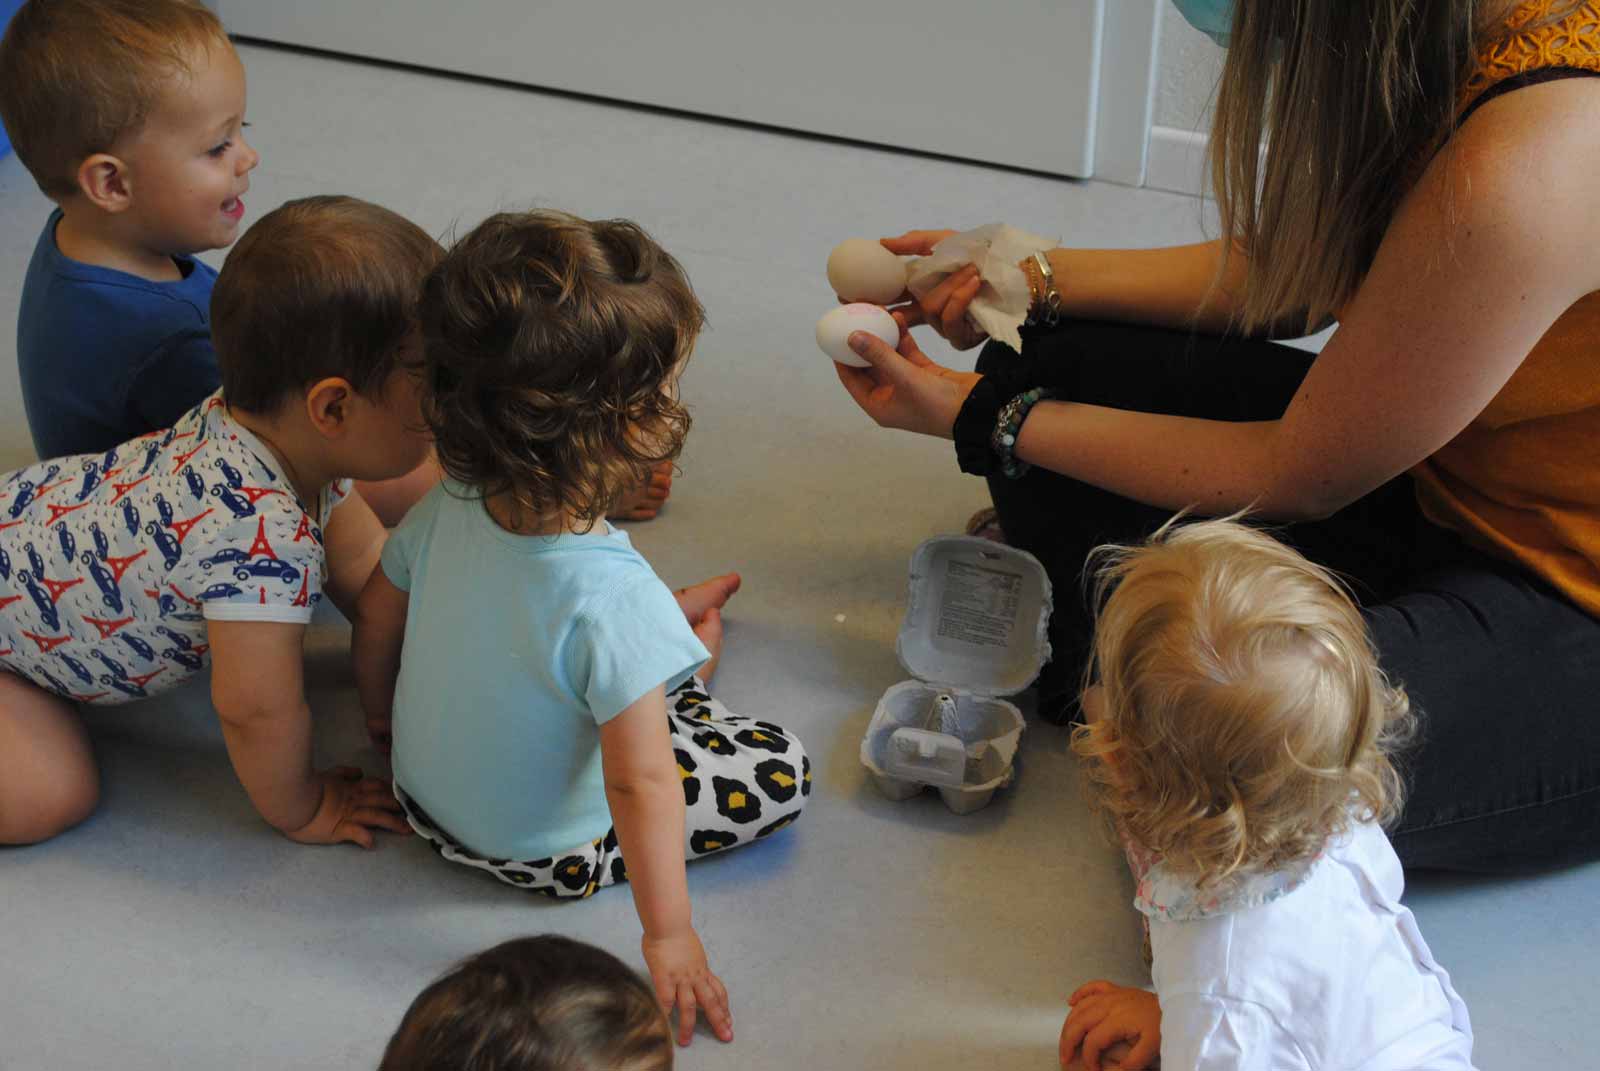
782,770
802,763
48,779
46,807
73,800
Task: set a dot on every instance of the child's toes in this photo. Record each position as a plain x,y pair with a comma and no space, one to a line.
645,501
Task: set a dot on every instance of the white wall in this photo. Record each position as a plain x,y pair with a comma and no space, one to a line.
824,66
1186,78
1187,71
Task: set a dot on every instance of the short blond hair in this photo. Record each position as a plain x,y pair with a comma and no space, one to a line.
78,76
1246,717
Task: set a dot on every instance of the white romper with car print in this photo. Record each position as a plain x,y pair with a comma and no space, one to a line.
111,564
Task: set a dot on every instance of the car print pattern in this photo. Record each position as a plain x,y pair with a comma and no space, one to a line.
734,792
111,562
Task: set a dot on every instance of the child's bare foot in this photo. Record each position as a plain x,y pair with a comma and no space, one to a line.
710,632
710,594
646,500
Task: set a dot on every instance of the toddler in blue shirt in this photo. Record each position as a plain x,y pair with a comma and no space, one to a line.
538,679
129,114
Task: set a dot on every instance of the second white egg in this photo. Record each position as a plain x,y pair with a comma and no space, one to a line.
835,328
862,270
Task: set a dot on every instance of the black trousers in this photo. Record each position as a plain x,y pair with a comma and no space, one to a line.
1503,670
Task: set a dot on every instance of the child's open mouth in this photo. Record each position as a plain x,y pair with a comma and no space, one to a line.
233,208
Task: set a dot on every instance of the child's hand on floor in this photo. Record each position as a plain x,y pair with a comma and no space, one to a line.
352,807
683,979
1102,1017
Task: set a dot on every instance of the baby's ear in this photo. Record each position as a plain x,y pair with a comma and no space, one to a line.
328,405
103,182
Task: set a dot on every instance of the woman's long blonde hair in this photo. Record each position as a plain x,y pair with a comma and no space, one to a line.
1350,97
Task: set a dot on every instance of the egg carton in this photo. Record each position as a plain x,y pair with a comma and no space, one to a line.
976,629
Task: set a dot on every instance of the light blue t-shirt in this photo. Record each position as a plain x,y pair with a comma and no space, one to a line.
517,649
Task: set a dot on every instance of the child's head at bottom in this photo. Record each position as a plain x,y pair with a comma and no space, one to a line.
552,347
1242,718
534,1004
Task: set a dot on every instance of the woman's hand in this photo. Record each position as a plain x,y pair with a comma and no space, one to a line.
915,243
944,308
904,389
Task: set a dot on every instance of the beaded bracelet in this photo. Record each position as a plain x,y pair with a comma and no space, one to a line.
1008,425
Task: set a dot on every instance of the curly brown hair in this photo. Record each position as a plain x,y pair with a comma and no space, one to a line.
1246,719
551,350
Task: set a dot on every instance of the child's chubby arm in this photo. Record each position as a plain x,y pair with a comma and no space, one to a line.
353,543
379,633
1111,1026
257,689
645,793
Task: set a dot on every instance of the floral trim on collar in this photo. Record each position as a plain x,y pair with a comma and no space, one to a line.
1169,897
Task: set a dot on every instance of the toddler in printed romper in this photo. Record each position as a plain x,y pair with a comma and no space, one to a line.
547,723
124,572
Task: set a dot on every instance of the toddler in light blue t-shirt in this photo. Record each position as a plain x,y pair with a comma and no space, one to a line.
537,678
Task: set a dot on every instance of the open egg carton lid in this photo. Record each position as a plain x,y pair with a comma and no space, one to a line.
976,628
977,617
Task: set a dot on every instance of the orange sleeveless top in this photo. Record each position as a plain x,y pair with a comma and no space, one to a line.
1523,479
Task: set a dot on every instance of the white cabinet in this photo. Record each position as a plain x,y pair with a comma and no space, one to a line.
1013,82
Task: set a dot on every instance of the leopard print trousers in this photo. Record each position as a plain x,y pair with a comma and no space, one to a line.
743,779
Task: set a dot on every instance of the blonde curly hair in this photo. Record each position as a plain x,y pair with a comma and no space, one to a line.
551,350
1245,717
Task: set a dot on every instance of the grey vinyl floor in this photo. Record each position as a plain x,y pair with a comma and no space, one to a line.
174,930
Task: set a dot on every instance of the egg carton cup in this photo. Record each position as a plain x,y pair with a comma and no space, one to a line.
966,767
976,629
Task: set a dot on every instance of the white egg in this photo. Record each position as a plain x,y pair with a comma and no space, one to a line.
835,328
862,270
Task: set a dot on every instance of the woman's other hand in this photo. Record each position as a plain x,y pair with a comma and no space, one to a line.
902,388
944,308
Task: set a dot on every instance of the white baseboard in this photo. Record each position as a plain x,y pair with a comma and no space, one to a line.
1177,161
